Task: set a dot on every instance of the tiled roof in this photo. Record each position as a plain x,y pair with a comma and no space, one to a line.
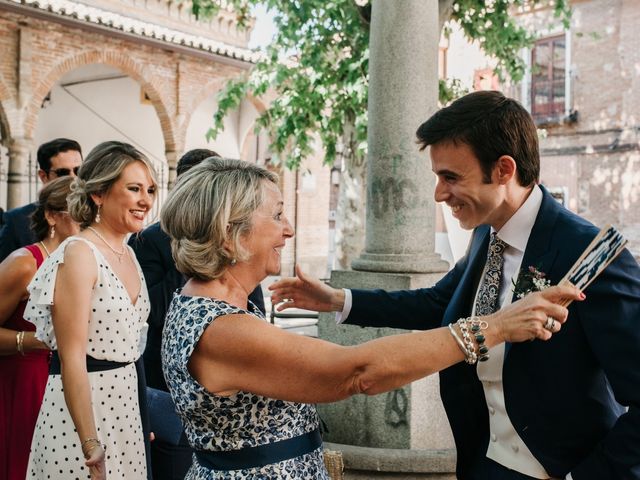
104,18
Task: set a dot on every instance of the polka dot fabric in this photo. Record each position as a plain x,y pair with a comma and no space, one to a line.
242,420
115,326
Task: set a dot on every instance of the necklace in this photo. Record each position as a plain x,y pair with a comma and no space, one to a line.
118,254
45,249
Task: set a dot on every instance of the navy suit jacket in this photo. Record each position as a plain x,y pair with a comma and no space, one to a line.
16,231
563,396
153,250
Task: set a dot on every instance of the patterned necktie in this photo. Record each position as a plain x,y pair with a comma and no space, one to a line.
487,300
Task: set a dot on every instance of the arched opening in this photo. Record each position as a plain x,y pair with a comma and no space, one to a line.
232,141
95,103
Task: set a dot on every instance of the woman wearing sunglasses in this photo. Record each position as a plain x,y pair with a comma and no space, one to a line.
89,303
24,360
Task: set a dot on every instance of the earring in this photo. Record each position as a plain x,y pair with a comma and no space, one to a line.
233,261
52,233
97,219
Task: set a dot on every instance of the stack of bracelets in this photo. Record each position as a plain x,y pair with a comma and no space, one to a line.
471,329
89,445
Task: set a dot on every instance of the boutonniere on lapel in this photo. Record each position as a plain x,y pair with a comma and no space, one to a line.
530,280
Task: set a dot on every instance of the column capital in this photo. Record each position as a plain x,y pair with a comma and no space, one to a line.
19,145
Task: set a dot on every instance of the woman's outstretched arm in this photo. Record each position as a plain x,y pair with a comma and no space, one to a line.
240,352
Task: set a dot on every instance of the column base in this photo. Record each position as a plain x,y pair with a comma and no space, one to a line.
411,417
386,464
400,263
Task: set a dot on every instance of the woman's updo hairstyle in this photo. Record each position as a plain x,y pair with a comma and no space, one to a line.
100,170
212,204
52,198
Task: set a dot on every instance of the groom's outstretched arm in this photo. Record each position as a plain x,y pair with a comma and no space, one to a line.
420,309
307,293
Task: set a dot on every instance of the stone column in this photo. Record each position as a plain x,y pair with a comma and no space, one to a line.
403,93
172,162
18,178
400,245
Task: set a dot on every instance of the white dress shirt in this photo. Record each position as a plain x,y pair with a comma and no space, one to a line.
505,445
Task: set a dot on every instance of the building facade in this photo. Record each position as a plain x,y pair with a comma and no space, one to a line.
582,87
145,72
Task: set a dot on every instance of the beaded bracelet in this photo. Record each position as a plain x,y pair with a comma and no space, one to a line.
471,329
477,326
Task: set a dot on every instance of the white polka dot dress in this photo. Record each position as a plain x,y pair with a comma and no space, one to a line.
115,326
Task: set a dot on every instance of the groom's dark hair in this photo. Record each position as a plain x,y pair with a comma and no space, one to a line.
492,125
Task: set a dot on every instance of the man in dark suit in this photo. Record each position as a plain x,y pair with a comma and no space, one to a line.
56,158
152,247
537,409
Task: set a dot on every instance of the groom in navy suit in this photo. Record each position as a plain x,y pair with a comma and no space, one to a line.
542,410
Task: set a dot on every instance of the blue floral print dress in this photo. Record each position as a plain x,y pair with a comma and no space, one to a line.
215,423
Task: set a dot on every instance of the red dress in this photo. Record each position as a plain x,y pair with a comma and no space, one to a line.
22,384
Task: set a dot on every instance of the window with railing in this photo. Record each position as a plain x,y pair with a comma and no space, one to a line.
548,73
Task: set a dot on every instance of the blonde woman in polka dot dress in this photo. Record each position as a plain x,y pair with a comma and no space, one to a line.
89,303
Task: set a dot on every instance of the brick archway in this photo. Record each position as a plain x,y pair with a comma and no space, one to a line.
113,59
205,92
259,105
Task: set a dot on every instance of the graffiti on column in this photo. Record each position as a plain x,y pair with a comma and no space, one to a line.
392,194
396,407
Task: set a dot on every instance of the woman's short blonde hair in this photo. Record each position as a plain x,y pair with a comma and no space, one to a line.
209,210
100,170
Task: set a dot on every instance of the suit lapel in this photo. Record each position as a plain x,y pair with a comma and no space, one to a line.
541,250
461,301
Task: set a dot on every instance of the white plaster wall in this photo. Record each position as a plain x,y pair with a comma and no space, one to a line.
227,143
248,115
463,58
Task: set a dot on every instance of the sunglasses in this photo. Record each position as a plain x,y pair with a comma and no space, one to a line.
63,172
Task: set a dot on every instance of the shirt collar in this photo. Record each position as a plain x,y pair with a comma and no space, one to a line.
516,231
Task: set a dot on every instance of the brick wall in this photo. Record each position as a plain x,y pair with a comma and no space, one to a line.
36,53
598,157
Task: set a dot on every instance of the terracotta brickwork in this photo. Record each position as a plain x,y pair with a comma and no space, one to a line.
598,156
175,83
35,53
